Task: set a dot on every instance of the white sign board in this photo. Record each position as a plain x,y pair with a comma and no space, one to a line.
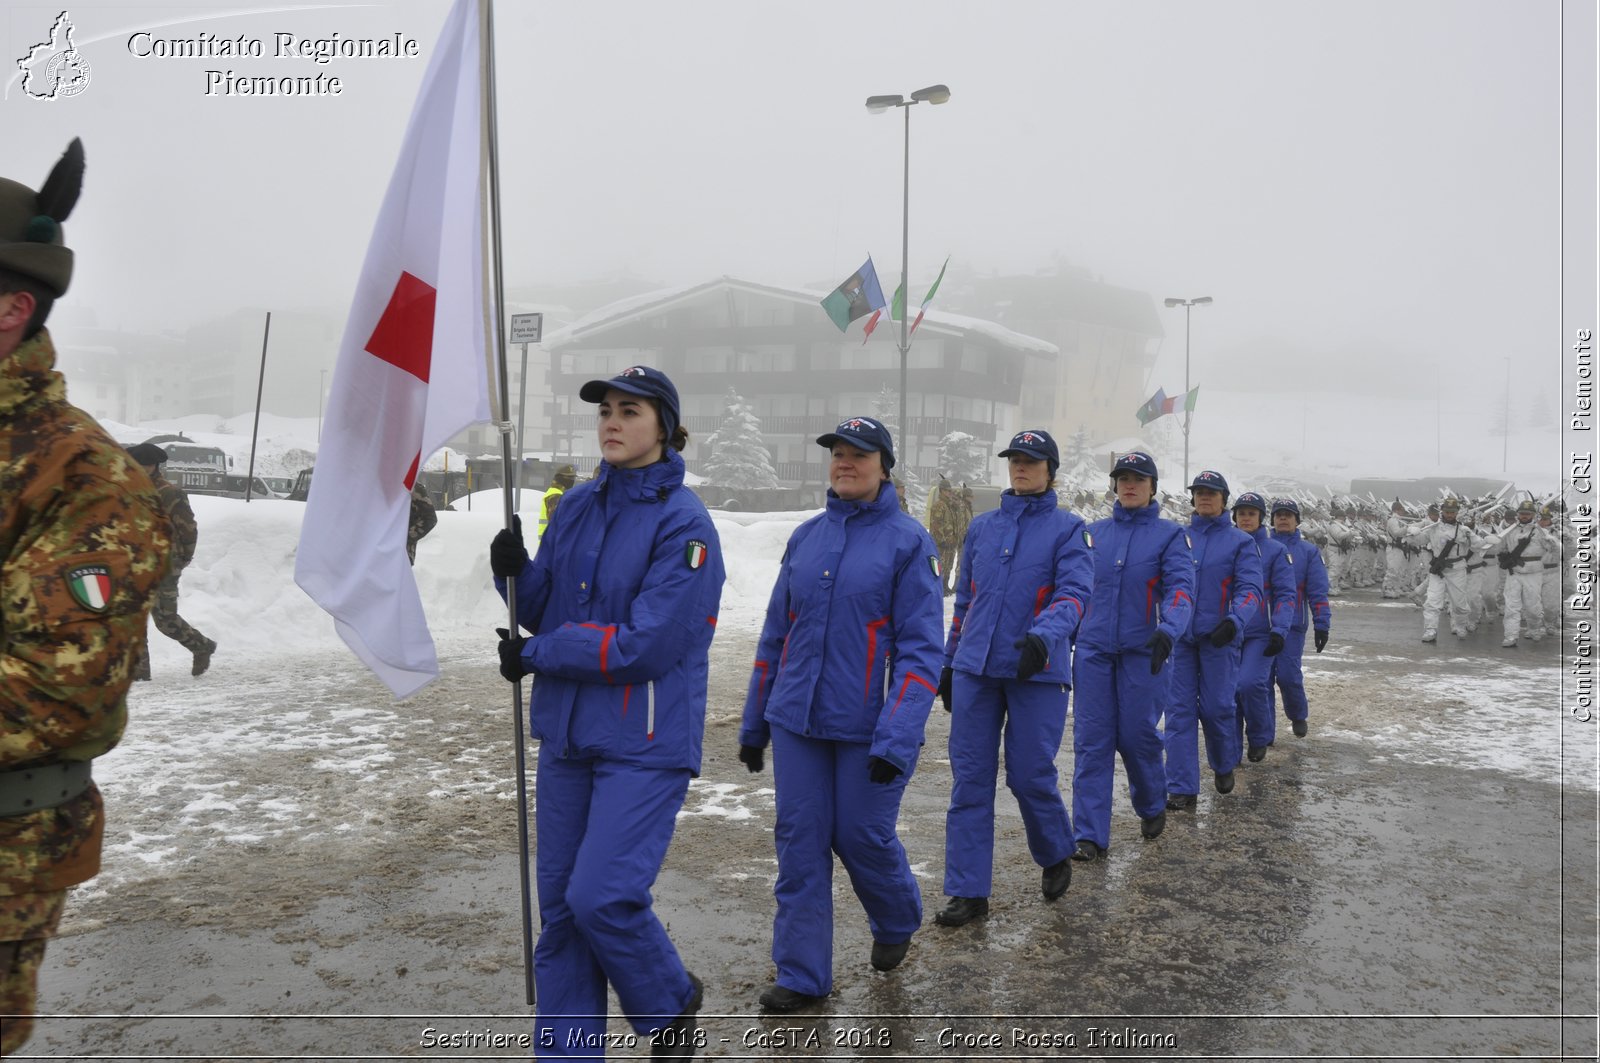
526,328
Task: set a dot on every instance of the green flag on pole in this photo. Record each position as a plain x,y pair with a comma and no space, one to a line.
897,307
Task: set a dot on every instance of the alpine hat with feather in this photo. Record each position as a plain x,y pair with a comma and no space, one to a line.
31,238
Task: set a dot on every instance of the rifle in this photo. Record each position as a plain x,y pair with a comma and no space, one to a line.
1510,559
1438,564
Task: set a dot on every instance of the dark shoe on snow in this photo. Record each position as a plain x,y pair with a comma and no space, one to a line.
1056,878
962,910
1299,728
782,999
1181,802
887,957
676,1039
1257,754
202,658
1088,851
1224,783
1152,827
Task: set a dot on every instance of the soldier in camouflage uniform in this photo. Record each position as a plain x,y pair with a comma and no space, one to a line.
83,545
948,528
423,518
185,534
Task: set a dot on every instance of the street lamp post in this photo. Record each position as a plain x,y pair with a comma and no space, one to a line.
1204,300
935,94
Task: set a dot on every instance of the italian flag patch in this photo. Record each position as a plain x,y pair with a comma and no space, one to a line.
933,563
90,586
695,554
1088,540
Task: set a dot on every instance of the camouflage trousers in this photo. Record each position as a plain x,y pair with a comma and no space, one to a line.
947,566
26,923
165,615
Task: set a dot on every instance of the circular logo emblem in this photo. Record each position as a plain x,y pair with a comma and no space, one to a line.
67,74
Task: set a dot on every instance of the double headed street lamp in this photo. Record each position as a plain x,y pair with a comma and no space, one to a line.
877,105
1203,300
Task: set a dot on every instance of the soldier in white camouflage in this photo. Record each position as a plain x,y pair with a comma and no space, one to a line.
83,545
185,536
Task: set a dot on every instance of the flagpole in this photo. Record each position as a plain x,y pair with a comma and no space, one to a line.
255,430
503,422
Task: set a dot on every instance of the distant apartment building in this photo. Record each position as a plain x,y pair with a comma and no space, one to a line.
777,348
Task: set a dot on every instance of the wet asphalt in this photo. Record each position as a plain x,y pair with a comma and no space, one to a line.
1345,900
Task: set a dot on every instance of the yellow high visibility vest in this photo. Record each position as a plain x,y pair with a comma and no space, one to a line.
544,506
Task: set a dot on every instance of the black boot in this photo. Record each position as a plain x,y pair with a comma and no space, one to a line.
1224,783
1152,827
1088,851
782,999
962,910
202,658
886,957
1257,754
676,1039
1056,878
1179,802
1299,728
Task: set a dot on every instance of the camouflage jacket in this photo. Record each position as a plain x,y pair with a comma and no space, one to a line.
423,517
185,531
83,545
948,519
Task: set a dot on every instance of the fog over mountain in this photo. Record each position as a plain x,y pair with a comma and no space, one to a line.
1367,188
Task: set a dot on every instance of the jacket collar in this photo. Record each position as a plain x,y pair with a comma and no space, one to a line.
649,484
872,509
1013,504
1205,524
28,377
1289,537
1260,534
1142,515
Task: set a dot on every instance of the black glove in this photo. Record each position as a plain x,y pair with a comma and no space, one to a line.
1160,647
882,770
1321,638
512,665
1274,645
1223,633
946,677
507,554
752,757
1035,655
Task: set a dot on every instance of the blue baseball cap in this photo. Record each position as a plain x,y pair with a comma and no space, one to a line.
1034,443
647,383
1253,500
1135,461
1213,480
1285,505
863,433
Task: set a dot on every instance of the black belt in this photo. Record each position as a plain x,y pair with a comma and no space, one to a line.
1474,568
40,786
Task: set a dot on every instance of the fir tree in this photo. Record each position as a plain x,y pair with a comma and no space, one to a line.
739,459
962,460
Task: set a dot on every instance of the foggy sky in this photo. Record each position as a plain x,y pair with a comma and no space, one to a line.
1344,177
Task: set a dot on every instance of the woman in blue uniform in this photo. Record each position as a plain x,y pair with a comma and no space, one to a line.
845,672
1268,630
1026,571
1142,600
1310,603
622,600
1205,662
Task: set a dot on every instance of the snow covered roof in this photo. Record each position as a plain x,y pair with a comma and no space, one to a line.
638,306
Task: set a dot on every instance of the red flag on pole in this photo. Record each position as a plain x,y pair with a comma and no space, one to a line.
411,372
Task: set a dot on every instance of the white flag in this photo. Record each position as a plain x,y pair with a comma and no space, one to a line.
411,372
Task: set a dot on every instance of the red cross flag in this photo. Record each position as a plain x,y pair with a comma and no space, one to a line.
412,369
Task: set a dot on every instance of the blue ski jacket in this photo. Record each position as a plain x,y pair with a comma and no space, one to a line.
1277,587
1227,576
621,599
1311,582
1026,568
1143,580
851,647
